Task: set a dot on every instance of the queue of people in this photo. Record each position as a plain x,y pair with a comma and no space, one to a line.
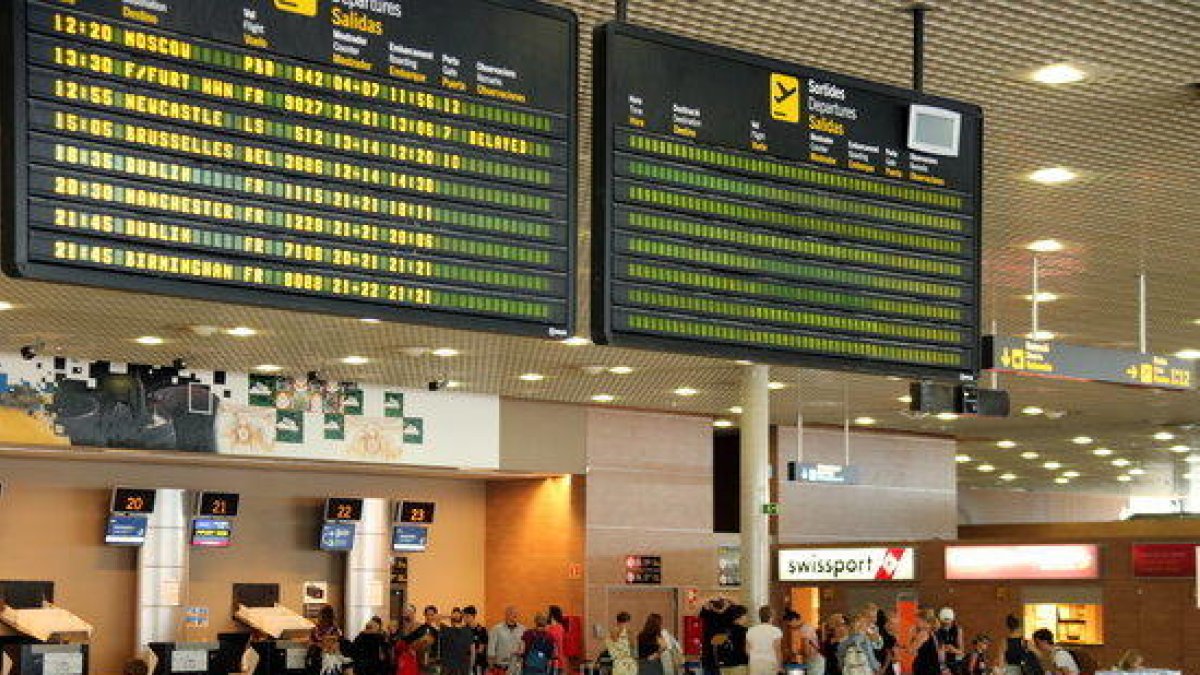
444,645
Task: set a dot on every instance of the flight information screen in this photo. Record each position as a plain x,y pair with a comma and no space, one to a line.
761,210
402,159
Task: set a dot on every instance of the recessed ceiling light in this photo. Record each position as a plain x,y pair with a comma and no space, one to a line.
722,424
1189,354
356,360
1041,335
1071,474
604,398
864,421
1164,436
1058,73
1124,479
947,416
985,468
1029,455
1181,449
241,331
1046,246
454,384
577,341
620,370
1052,466
1102,452
962,459
370,320
1082,440
1053,175
905,399
744,362
1121,462
150,340
6,306
1032,410
1044,296
735,410
268,368
776,386
532,377
686,391
1192,459
1137,471
1008,477
444,352
1006,444
1062,481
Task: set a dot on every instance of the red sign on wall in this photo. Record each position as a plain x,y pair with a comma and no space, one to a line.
1171,561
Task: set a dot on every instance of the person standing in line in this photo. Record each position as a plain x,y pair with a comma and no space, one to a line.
479,640
805,645
856,653
979,661
456,645
619,647
424,640
672,656
952,637
326,626
650,646
731,654
1055,658
370,649
504,642
1018,658
537,648
833,633
558,632
714,627
764,645
924,644
405,660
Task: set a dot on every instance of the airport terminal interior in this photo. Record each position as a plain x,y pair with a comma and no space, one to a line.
645,337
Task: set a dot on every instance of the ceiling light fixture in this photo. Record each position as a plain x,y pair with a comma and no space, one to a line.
1053,175
1192,459
532,377
1046,246
1102,452
1032,410
722,424
370,320
1008,477
985,468
1041,335
1121,462
1058,73
776,386
1124,479
604,398
1044,296
1082,440
356,360
576,341
1181,449
1062,481
454,384
686,391
1071,474
864,421
1137,471
744,362
621,370
735,410
1029,455
268,368
150,340
1164,436
1052,466
6,306
1006,444
962,459
241,331
947,416
1189,354
905,399
445,352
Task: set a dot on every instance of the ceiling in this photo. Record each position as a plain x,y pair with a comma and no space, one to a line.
1131,130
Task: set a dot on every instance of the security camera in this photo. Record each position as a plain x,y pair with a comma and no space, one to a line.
437,385
30,352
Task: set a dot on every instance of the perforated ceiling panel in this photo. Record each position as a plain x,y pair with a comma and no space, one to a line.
1132,131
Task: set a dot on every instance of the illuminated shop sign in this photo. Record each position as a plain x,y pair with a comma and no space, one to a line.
847,564
1056,561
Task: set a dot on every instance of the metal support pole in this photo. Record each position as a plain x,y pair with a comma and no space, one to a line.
755,488
1143,340
622,10
918,55
1036,305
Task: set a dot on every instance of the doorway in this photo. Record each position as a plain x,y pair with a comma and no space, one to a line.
641,602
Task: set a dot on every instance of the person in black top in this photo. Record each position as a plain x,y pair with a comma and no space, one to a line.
952,640
732,656
424,639
456,646
479,641
924,642
714,621
370,649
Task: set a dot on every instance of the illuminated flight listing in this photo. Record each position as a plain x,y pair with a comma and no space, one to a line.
406,160
761,210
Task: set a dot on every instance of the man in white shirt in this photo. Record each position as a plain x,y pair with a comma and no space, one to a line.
504,641
1059,659
764,645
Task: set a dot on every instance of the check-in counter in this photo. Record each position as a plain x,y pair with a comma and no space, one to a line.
28,632
187,658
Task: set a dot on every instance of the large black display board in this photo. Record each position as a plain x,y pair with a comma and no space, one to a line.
404,159
762,210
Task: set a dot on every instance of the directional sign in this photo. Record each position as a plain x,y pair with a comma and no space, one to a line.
1087,364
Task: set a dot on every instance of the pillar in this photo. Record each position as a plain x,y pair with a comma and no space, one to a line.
755,486
162,568
368,566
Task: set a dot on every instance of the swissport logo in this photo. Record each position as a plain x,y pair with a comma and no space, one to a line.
847,564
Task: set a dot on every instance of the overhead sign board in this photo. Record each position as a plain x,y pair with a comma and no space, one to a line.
848,564
1059,361
1175,561
1017,562
643,569
828,474
410,161
759,209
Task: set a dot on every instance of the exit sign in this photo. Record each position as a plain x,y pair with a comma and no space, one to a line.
770,509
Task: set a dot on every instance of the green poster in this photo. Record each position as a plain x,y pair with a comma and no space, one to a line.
414,430
289,426
335,427
393,404
262,391
352,402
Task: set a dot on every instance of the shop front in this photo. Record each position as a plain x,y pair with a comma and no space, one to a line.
817,582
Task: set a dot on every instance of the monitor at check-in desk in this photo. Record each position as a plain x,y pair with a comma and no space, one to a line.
187,658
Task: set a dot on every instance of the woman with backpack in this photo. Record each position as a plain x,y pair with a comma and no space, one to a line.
856,653
537,648
650,646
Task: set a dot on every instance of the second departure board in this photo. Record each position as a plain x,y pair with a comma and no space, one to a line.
409,160
761,210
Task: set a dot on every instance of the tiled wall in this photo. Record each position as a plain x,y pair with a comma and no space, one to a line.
905,488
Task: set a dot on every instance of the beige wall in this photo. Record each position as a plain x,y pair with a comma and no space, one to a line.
906,488
52,518
988,507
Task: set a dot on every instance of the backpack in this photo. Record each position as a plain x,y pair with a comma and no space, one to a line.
856,662
538,655
1084,661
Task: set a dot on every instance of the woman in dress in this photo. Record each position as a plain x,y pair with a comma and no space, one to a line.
619,647
650,646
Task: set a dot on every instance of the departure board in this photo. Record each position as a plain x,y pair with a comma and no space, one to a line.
410,160
761,210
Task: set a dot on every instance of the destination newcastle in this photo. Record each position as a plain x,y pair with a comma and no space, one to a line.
403,160
762,210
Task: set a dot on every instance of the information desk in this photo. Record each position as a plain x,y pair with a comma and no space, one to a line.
40,659
410,161
762,210
187,658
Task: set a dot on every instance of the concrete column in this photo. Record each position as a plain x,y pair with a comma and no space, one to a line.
368,566
755,487
162,568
